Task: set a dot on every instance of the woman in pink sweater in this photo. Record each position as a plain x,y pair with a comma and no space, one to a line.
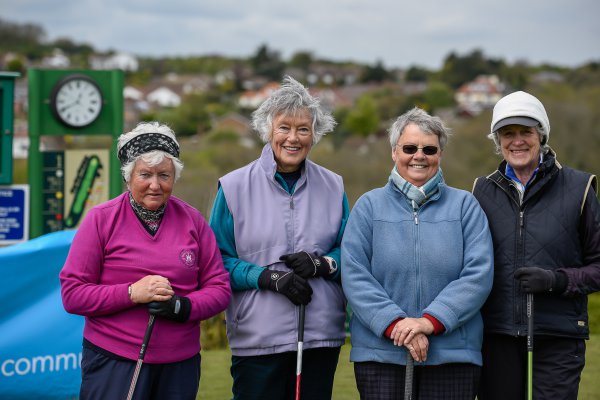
145,251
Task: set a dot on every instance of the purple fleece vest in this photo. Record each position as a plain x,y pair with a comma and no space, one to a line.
268,223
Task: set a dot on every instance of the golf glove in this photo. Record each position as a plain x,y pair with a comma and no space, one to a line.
306,265
288,283
539,280
177,308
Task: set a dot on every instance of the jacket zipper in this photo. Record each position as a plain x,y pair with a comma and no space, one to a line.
518,303
417,255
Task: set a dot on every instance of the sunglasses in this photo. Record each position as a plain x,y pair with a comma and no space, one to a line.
412,149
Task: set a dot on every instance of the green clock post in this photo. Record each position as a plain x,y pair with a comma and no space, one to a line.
74,104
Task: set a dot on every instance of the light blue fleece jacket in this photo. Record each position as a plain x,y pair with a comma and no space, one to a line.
399,263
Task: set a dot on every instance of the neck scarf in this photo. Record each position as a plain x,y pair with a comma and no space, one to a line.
417,195
150,218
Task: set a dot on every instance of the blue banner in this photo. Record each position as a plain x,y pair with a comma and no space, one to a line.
40,344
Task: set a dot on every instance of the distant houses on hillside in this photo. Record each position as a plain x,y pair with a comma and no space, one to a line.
478,95
336,85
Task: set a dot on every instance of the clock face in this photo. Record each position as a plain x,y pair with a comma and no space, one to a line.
76,101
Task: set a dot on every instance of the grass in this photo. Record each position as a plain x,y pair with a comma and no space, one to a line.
215,383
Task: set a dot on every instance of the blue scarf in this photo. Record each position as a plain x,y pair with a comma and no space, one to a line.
417,195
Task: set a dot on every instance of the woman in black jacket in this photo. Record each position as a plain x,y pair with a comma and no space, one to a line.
545,223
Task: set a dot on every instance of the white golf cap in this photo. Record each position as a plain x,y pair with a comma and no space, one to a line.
520,108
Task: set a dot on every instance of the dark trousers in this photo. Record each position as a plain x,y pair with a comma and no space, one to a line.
107,378
557,366
380,381
274,376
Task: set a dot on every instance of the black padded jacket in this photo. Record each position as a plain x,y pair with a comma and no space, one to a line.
554,225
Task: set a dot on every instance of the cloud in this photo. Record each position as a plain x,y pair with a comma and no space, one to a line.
563,32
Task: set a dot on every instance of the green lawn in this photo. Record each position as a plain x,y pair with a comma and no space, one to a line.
215,383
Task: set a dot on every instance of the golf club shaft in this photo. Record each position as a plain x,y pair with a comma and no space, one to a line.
529,346
140,360
300,345
408,377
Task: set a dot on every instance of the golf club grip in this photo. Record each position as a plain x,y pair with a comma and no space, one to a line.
408,378
529,321
301,323
146,337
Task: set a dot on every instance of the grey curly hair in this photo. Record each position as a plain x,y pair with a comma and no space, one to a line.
291,98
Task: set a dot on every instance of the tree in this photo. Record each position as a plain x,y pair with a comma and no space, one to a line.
377,73
16,65
417,74
190,118
302,60
267,63
21,38
458,70
438,95
363,119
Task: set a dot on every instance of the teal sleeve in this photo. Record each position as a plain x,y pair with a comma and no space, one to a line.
242,275
335,252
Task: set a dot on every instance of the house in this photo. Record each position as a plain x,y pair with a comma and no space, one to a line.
120,60
251,99
480,94
237,123
162,96
58,59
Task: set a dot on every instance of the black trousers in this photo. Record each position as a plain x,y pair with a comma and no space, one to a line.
274,376
379,381
107,378
557,366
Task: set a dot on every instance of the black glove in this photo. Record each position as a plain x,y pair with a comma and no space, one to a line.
288,283
306,265
177,308
539,280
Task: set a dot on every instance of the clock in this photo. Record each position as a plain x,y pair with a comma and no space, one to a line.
76,100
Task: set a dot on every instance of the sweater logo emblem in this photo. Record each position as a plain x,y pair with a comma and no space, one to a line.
187,257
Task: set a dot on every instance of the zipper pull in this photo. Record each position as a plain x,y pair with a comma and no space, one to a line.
521,219
414,206
291,203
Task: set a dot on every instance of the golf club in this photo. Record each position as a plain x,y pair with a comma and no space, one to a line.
408,377
300,345
140,360
529,346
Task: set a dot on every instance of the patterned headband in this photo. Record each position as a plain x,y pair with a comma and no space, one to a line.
147,142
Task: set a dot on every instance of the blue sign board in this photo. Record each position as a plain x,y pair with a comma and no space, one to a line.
14,212
40,344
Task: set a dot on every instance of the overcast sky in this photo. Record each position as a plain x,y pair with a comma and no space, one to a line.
397,32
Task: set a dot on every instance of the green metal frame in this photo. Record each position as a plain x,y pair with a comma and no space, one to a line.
7,94
43,123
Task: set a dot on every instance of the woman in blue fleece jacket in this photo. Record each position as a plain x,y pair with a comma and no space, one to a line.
417,259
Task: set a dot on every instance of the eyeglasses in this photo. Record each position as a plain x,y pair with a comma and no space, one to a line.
413,148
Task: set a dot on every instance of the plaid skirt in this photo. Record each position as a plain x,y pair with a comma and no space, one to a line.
379,381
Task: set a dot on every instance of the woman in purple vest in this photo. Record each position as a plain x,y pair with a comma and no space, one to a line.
143,252
279,222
